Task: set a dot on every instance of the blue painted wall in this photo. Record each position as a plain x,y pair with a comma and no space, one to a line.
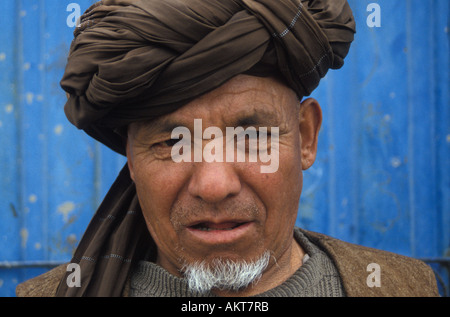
381,178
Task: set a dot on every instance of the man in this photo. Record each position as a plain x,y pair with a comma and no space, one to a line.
191,215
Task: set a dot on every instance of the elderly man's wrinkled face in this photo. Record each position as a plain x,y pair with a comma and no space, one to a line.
204,210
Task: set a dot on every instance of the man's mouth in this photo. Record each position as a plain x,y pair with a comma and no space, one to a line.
210,226
213,233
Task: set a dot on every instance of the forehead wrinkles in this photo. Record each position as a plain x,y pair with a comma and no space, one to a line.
243,96
227,106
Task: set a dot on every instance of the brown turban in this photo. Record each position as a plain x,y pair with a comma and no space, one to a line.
133,60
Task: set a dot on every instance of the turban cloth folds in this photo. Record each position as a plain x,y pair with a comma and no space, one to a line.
137,60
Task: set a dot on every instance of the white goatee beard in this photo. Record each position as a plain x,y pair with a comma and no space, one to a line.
224,274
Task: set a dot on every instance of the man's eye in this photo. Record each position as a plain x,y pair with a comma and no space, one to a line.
162,150
166,143
254,140
170,142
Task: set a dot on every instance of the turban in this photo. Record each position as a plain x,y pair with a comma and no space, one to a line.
137,60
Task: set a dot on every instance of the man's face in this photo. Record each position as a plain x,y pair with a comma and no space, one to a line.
201,211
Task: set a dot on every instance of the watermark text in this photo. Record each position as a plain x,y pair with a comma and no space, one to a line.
258,146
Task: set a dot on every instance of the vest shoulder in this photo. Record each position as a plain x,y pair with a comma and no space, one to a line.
398,275
44,285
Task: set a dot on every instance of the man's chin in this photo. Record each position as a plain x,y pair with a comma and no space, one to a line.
226,274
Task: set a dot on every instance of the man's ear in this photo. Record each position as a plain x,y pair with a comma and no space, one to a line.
310,121
130,157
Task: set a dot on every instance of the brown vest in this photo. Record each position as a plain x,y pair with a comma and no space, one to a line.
399,276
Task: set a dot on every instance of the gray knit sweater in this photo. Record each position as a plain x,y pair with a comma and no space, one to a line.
316,277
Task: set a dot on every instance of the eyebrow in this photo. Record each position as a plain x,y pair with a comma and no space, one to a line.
256,118
160,126
166,126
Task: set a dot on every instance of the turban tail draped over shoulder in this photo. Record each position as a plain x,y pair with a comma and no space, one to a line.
137,60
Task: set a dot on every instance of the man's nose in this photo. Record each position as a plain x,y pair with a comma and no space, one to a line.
215,181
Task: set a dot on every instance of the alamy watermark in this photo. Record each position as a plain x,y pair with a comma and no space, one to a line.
373,19
73,19
257,147
374,278
74,278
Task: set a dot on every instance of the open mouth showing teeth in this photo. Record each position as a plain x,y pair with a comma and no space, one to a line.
208,226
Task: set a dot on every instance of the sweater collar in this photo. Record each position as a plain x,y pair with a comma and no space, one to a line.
316,277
